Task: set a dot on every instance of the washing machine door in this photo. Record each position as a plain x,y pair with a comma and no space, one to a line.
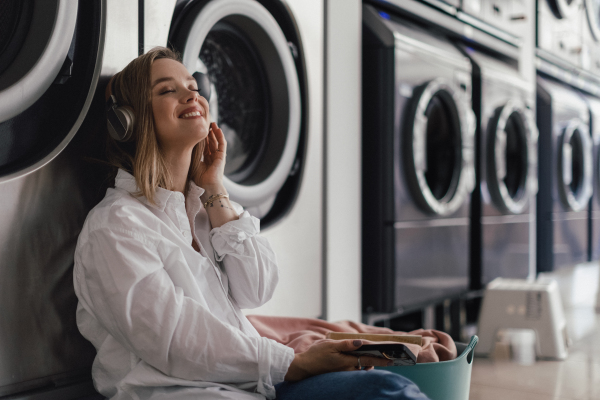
438,148
592,9
511,157
575,173
256,98
49,52
563,9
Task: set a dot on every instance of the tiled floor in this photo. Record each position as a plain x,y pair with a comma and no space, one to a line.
576,378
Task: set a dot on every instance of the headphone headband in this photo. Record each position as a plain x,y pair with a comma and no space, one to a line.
110,88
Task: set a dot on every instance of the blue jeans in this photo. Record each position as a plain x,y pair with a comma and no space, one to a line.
351,385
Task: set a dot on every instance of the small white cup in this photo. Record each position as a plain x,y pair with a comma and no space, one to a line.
522,345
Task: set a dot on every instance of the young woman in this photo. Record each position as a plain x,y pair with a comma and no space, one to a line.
165,262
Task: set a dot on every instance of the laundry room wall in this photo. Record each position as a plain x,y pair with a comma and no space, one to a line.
298,240
156,26
342,144
121,23
527,30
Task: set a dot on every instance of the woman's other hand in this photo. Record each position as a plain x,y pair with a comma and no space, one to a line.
210,178
328,356
210,174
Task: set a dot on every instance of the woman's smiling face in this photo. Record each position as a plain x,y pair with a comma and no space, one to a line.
180,114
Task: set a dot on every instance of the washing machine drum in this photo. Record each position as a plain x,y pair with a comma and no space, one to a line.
575,173
563,9
48,73
511,157
438,148
255,98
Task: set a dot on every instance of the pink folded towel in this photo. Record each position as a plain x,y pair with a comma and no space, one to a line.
301,333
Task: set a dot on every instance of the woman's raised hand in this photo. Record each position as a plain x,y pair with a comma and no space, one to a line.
210,178
211,171
328,356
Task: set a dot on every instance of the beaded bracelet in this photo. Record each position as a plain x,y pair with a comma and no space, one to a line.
213,198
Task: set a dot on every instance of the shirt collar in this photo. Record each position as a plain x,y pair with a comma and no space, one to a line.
124,180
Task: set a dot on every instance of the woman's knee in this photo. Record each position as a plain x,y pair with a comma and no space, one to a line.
394,386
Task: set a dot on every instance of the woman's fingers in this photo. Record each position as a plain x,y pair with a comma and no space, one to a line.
347,344
218,142
207,146
365,361
344,346
331,356
212,141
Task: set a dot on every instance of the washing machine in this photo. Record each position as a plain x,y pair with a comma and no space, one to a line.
507,15
559,29
503,226
565,176
54,54
594,208
418,173
590,54
264,61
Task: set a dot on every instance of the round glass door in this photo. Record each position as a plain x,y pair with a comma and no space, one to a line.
511,157
575,166
564,9
592,10
256,96
240,103
438,148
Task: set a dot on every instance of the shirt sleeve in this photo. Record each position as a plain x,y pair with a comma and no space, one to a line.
133,297
248,260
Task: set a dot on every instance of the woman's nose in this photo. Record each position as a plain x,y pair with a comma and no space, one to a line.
192,95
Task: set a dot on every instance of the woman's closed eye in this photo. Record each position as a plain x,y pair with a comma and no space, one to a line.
172,91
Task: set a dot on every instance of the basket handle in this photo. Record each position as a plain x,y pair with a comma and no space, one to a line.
470,350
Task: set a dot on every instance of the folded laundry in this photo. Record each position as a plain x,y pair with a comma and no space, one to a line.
301,333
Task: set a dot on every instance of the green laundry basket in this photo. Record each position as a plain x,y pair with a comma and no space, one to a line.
444,380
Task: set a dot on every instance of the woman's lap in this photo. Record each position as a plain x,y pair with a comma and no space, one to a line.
351,385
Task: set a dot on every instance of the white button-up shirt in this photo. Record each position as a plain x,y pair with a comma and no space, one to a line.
164,318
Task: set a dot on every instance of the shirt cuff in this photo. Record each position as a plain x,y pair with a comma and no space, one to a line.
230,237
280,357
285,355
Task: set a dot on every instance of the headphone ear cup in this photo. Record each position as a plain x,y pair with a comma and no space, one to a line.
120,123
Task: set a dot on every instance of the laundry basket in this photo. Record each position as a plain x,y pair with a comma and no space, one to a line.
444,380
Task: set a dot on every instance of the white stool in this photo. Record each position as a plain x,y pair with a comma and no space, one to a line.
519,304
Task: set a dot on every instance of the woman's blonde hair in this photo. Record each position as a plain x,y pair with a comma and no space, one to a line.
142,155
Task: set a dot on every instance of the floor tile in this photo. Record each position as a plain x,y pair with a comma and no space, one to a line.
480,392
553,378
